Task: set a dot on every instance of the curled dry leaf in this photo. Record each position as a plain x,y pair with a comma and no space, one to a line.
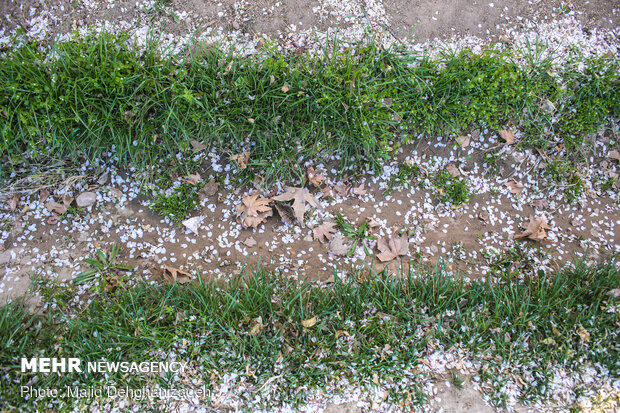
13,203
396,246
614,154
286,88
342,189
172,275
249,242
43,195
453,170
193,224
515,187
59,208
242,159
299,196
309,322
209,189
253,210
371,223
315,178
327,191
192,179
339,246
535,229
197,146
359,190
103,178
540,204
583,334
463,141
258,326
324,232
286,212
507,136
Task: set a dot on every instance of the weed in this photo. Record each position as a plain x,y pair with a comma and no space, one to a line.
357,235
450,189
177,203
105,274
405,175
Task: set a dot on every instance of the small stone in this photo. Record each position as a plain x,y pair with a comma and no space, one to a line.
86,199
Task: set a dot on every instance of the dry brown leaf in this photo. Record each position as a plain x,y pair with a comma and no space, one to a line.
197,146
583,334
387,102
272,79
324,232
515,187
535,229
342,333
372,223
210,188
53,220
314,177
359,190
309,322
507,136
253,210
327,191
614,154
176,275
286,212
540,204
286,88
250,242
258,326
339,246
56,207
192,179
396,246
43,195
463,141
453,170
342,189
13,203
242,159
299,196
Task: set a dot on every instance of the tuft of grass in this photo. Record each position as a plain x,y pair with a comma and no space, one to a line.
177,203
100,94
391,322
450,189
104,272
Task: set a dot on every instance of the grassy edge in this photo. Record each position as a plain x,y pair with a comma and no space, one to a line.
565,320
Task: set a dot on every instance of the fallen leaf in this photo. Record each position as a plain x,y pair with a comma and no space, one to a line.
286,88
249,242
210,188
535,229
314,177
507,136
56,207
372,223
342,333
242,159
197,146
540,204
253,210
251,120
453,170
337,246
396,246
583,334
286,212
272,79
43,195
515,187
67,200
258,326
299,196
327,191
463,141
359,190
13,203
176,275
309,322
193,223
387,102
341,189
614,154
549,341
324,232
192,179
86,199
53,220
103,178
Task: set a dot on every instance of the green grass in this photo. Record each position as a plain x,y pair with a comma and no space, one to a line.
391,322
453,190
85,98
178,202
